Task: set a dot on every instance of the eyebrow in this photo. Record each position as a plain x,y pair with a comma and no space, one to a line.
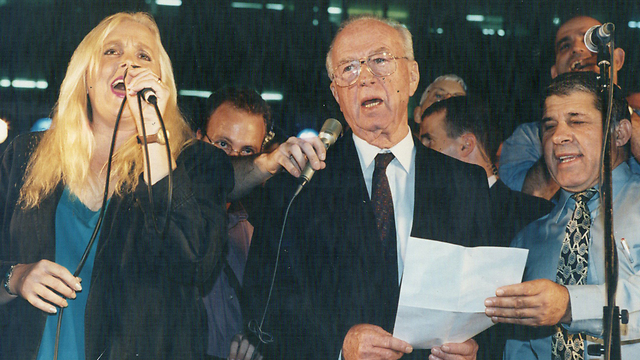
376,51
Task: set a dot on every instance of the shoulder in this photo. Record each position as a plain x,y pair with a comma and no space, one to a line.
206,162
436,164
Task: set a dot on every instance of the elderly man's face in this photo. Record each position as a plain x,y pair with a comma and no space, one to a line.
439,91
572,140
375,107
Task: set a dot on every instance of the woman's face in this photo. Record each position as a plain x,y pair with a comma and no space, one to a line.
130,45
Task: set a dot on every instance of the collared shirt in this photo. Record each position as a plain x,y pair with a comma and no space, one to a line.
402,178
492,180
544,239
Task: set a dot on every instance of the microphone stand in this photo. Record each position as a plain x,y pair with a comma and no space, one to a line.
611,319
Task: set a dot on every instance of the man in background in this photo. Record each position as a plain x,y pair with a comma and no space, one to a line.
237,121
521,164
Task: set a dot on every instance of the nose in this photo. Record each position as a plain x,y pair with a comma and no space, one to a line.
562,134
578,45
365,76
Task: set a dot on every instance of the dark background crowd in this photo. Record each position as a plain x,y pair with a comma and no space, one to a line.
280,46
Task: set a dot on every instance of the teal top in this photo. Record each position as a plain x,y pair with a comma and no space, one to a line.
74,225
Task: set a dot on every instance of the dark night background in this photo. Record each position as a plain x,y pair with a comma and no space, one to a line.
280,45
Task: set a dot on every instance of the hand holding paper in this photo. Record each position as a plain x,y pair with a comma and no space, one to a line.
444,287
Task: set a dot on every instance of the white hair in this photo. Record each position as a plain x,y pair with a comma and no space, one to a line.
405,35
447,77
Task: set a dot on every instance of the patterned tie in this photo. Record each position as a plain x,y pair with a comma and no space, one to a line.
572,270
385,220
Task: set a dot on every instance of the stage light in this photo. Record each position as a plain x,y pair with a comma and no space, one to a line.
169,2
334,10
475,18
307,134
195,93
41,124
272,96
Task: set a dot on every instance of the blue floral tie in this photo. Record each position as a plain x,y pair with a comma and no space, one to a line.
572,270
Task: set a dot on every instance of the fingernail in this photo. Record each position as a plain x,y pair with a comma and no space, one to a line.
78,287
408,349
489,312
445,348
488,302
323,156
499,292
53,310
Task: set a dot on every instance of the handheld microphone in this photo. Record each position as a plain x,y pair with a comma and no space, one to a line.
148,95
598,36
330,132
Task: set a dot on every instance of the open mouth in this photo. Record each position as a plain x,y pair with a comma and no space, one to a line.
567,158
118,85
371,103
582,65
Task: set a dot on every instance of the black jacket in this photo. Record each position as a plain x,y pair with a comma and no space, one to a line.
143,302
329,277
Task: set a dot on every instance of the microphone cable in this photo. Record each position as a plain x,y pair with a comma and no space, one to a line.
153,101
254,327
96,229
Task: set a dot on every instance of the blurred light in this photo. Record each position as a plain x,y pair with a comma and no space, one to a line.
244,5
278,7
476,18
633,24
23,84
307,133
315,22
169,2
334,10
439,31
41,84
316,9
556,21
488,31
4,130
271,96
41,124
5,82
195,93
501,32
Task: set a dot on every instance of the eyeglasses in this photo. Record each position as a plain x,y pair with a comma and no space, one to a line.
379,64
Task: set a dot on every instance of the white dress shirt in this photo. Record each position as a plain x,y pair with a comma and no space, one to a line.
401,173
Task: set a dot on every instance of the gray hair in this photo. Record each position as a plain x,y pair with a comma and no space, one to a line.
447,77
405,35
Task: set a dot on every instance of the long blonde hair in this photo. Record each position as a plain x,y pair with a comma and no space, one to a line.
65,151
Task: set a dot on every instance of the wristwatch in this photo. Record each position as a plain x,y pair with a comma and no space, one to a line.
7,279
155,138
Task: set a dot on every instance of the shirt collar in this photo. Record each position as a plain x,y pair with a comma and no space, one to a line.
619,176
402,151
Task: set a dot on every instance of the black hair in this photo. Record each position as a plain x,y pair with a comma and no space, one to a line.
242,98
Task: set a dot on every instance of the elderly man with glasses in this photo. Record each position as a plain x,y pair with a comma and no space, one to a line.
344,243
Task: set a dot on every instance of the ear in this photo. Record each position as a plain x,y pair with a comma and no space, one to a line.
618,59
622,133
334,91
554,71
199,134
414,77
468,144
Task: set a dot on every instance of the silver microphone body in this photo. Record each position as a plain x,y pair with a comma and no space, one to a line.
330,132
598,36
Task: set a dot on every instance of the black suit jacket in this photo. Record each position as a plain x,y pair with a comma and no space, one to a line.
329,274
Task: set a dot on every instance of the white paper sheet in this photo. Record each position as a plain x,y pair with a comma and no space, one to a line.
444,287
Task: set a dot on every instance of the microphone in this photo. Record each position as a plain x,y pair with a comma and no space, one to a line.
148,95
598,36
330,132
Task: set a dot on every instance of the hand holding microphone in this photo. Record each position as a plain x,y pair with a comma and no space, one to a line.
330,132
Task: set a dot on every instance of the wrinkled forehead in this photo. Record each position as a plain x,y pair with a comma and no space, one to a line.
365,37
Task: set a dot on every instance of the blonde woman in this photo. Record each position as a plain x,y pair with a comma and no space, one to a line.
137,296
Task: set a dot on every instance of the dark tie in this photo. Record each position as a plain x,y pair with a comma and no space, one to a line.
572,270
385,220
